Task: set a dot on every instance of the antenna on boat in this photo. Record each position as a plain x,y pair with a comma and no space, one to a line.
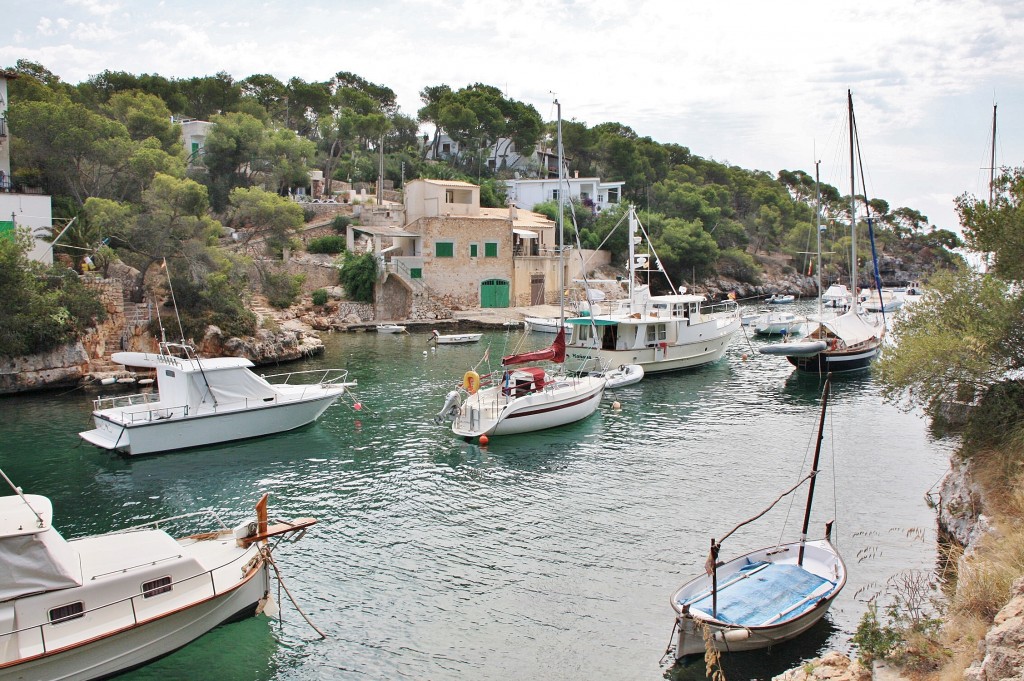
173,302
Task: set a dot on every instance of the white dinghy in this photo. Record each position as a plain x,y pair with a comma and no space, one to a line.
766,596
205,401
454,338
96,606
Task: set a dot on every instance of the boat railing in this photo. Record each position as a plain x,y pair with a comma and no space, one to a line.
156,524
320,377
124,612
123,401
723,308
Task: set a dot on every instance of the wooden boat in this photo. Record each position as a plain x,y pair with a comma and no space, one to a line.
453,338
764,597
96,606
205,401
390,328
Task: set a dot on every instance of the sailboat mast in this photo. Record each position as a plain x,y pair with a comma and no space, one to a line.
992,165
632,250
817,226
853,206
814,468
561,222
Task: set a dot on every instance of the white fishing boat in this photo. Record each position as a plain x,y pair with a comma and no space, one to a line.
777,323
205,401
522,399
657,332
764,597
390,328
454,338
96,606
848,342
884,300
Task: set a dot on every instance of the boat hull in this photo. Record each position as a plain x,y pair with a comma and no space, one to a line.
140,644
658,359
456,339
151,436
489,412
835,361
821,560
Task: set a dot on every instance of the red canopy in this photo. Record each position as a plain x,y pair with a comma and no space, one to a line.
555,353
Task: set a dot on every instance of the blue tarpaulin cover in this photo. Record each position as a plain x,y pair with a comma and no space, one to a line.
755,600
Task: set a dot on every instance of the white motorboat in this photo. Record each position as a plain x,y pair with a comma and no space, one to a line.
764,597
660,333
205,401
780,299
836,295
528,398
390,328
624,375
777,323
547,325
752,317
454,338
96,606
885,300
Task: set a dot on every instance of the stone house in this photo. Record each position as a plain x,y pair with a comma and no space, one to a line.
451,249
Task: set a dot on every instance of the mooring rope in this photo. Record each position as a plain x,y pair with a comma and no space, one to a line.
280,581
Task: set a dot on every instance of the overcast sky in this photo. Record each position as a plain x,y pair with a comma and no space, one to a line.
757,84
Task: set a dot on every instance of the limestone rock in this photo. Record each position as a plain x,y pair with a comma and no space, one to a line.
62,367
832,666
1004,643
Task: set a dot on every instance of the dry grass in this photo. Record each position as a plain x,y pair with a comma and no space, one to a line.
984,579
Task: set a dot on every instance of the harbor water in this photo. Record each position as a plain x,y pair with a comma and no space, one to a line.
550,555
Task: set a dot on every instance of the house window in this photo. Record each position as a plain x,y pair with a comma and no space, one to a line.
156,587
491,249
195,148
491,163
613,196
446,148
71,611
415,272
554,194
474,250
444,249
449,196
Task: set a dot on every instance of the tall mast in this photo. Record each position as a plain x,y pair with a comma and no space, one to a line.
853,206
817,227
992,165
632,251
561,221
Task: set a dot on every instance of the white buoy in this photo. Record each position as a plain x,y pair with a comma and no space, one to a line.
616,405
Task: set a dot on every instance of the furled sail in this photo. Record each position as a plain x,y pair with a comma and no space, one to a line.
554,353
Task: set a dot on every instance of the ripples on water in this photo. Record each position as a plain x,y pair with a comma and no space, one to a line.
548,555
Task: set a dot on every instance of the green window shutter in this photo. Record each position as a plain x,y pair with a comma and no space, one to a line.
474,250
444,249
491,249
415,272
6,229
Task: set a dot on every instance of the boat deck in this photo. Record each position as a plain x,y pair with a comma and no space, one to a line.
764,593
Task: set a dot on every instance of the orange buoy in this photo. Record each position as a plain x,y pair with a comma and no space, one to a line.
358,406
744,357
484,440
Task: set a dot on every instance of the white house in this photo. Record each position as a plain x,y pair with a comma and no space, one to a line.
193,136
528,193
20,209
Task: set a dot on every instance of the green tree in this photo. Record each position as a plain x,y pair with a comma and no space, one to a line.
265,216
145,116
998,228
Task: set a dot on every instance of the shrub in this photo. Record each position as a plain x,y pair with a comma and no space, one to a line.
308,214
319,297
358,275
326,244
340,223
281,288
738,264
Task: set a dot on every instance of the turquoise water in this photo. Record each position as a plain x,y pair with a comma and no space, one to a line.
548,555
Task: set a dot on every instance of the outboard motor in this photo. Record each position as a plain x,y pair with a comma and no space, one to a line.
451,408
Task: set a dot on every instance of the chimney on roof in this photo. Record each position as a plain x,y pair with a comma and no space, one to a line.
513,213
576,174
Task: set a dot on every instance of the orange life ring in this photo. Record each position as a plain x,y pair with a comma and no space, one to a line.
471,381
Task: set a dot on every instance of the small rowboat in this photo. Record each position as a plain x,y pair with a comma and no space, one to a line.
454,338
627,374
390,328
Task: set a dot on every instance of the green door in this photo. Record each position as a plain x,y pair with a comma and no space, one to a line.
494,293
